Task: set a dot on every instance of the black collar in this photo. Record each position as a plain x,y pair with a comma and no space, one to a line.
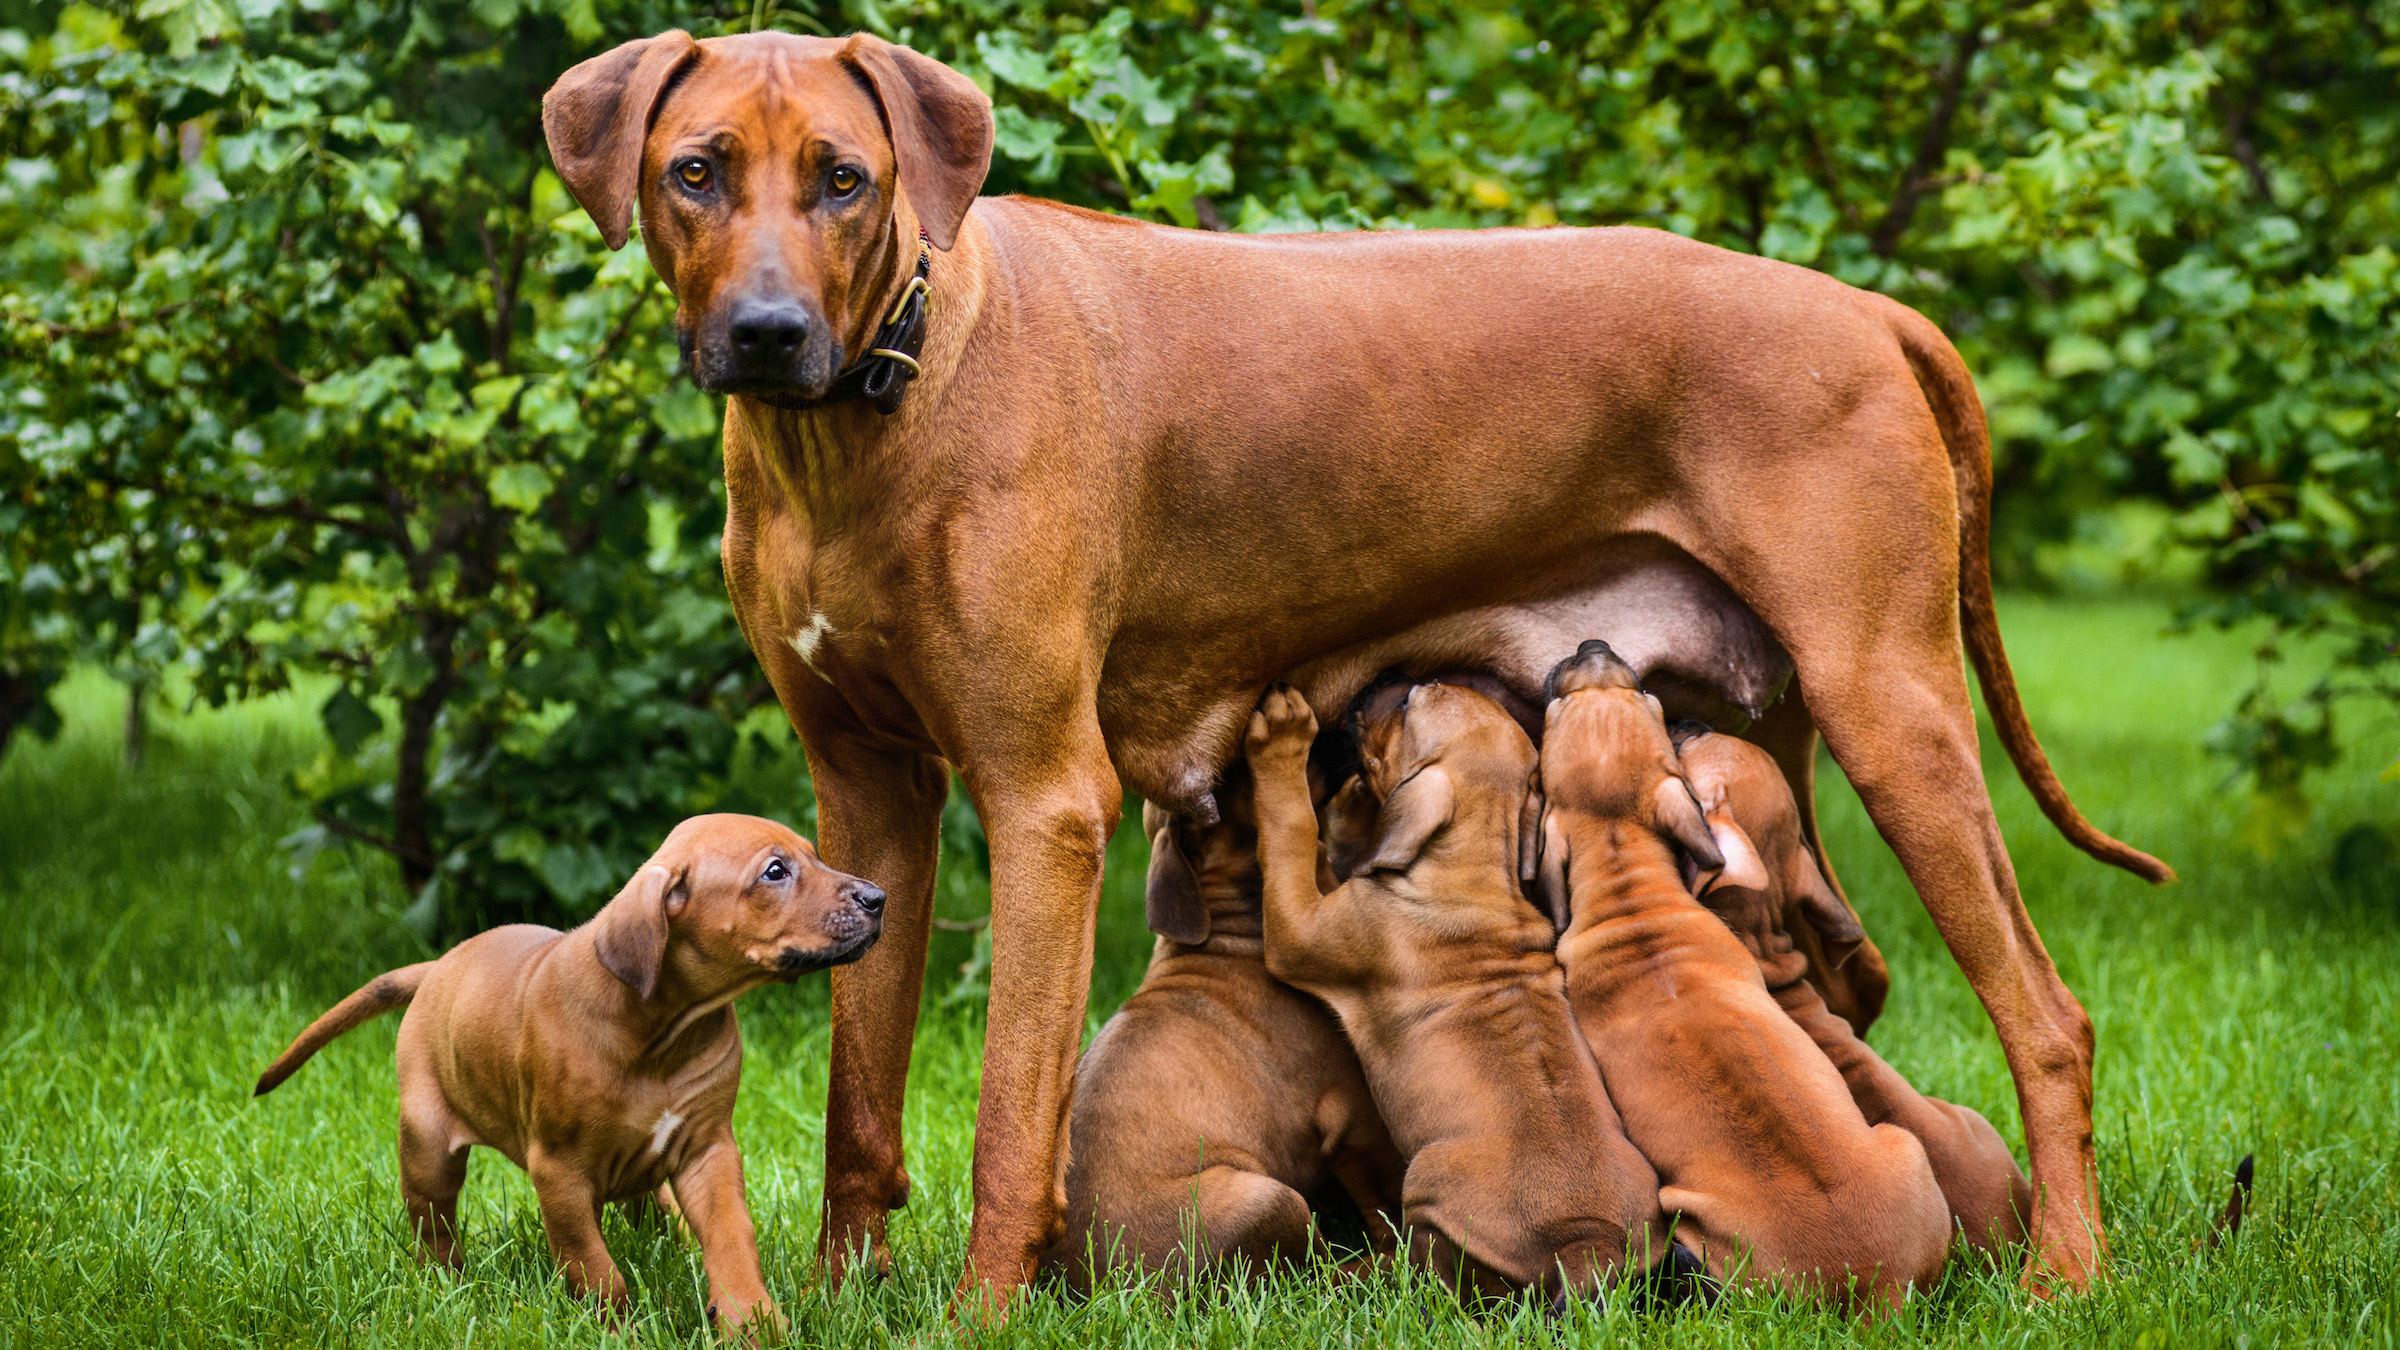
881,377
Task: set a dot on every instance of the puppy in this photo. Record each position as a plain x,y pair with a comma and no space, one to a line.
604,1061
1218,1099
1519,1175
1770,888
1759,1149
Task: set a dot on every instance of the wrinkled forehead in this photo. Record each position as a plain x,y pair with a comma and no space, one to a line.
723,850
1443,718
775,89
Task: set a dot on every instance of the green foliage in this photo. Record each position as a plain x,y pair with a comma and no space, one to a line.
313,369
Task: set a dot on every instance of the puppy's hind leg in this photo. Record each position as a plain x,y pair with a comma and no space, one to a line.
1249,1216
433,1166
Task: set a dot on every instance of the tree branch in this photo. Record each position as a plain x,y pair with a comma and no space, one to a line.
1933,144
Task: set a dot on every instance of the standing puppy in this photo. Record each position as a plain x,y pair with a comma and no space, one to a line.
1754,1135
604,1061
1519,1174
1769,889
1218,1098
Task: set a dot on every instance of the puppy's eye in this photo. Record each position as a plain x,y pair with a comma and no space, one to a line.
776,871
845,180
694,174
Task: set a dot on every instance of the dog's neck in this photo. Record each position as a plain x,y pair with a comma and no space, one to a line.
841,462
678,1025
1617,868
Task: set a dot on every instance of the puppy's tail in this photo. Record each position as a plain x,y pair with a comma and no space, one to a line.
2229,1223
392,989
1959,412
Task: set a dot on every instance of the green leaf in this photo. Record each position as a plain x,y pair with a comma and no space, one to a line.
685,413
349,720
440,356
520,487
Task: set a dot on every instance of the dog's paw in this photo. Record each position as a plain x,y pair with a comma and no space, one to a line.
1283,727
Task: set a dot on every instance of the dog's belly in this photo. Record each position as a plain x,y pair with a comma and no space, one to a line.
1693,642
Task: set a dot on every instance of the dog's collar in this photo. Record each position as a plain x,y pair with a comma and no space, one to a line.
881,377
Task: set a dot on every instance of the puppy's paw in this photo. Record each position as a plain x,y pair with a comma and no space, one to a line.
1283,727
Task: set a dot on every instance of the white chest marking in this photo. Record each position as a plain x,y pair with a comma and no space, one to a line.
664,1130
807,640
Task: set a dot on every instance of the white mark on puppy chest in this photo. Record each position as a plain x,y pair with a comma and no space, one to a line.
807,640
663,1131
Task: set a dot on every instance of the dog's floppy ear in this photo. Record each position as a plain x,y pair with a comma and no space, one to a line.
1837,928
597,118
1421,805
1742,867
1554,871
941,127
1679,816
1349,827
1172,899
630,932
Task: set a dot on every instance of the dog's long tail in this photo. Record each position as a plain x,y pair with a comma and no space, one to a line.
2229,1223
392,989
1958,410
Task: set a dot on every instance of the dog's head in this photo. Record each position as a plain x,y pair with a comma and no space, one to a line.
1770,890
1436,754
781,183
1606,754
730,902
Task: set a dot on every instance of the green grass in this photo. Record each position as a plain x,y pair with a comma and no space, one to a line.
159,951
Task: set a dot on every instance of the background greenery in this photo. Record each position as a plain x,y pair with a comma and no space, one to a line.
316,379
160,952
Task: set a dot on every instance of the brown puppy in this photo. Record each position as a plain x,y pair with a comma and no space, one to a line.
1768,889
1758,1146
1219,1098
604,1061
1142,472
1519,1174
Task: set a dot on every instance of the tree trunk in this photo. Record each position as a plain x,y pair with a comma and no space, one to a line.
137,722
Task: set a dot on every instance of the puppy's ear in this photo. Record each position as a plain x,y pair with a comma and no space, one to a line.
630,932
1172,899
1554,871
1742,868
1349,828
941,127
1421,805
597,118
1679,818
1838,929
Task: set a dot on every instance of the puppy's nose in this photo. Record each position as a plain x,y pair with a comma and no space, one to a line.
867,896
770,330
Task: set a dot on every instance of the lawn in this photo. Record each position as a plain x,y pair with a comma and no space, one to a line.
161,951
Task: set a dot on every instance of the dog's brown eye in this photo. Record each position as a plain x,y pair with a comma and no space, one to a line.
845,181
694,173
776,871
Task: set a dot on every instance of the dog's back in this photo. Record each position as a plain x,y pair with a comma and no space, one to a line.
1773,1171
1444,978
1769,889
1218,1101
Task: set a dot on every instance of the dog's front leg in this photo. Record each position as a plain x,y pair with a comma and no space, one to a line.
1049,830
709,1191
571,1220
879,816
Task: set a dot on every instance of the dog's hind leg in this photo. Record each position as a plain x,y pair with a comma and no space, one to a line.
1249,1215
433,1167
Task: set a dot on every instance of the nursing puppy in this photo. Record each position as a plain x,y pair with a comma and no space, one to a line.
1774,1173
1519,1174
1219,1099
604,1061
1770,888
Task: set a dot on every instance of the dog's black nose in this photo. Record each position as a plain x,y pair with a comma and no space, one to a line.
767,330
868,896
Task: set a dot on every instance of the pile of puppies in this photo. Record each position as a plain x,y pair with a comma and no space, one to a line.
1549,1018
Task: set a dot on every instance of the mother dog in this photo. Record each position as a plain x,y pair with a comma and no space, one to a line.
1145,471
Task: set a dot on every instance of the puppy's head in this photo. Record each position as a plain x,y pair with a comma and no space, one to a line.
1436,754
1606,754
1769,890
1196,868
730,902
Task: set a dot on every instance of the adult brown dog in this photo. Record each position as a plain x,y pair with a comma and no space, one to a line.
1519,1175
1219,1098
1146,471
1768,888
604,1061
1771,1169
